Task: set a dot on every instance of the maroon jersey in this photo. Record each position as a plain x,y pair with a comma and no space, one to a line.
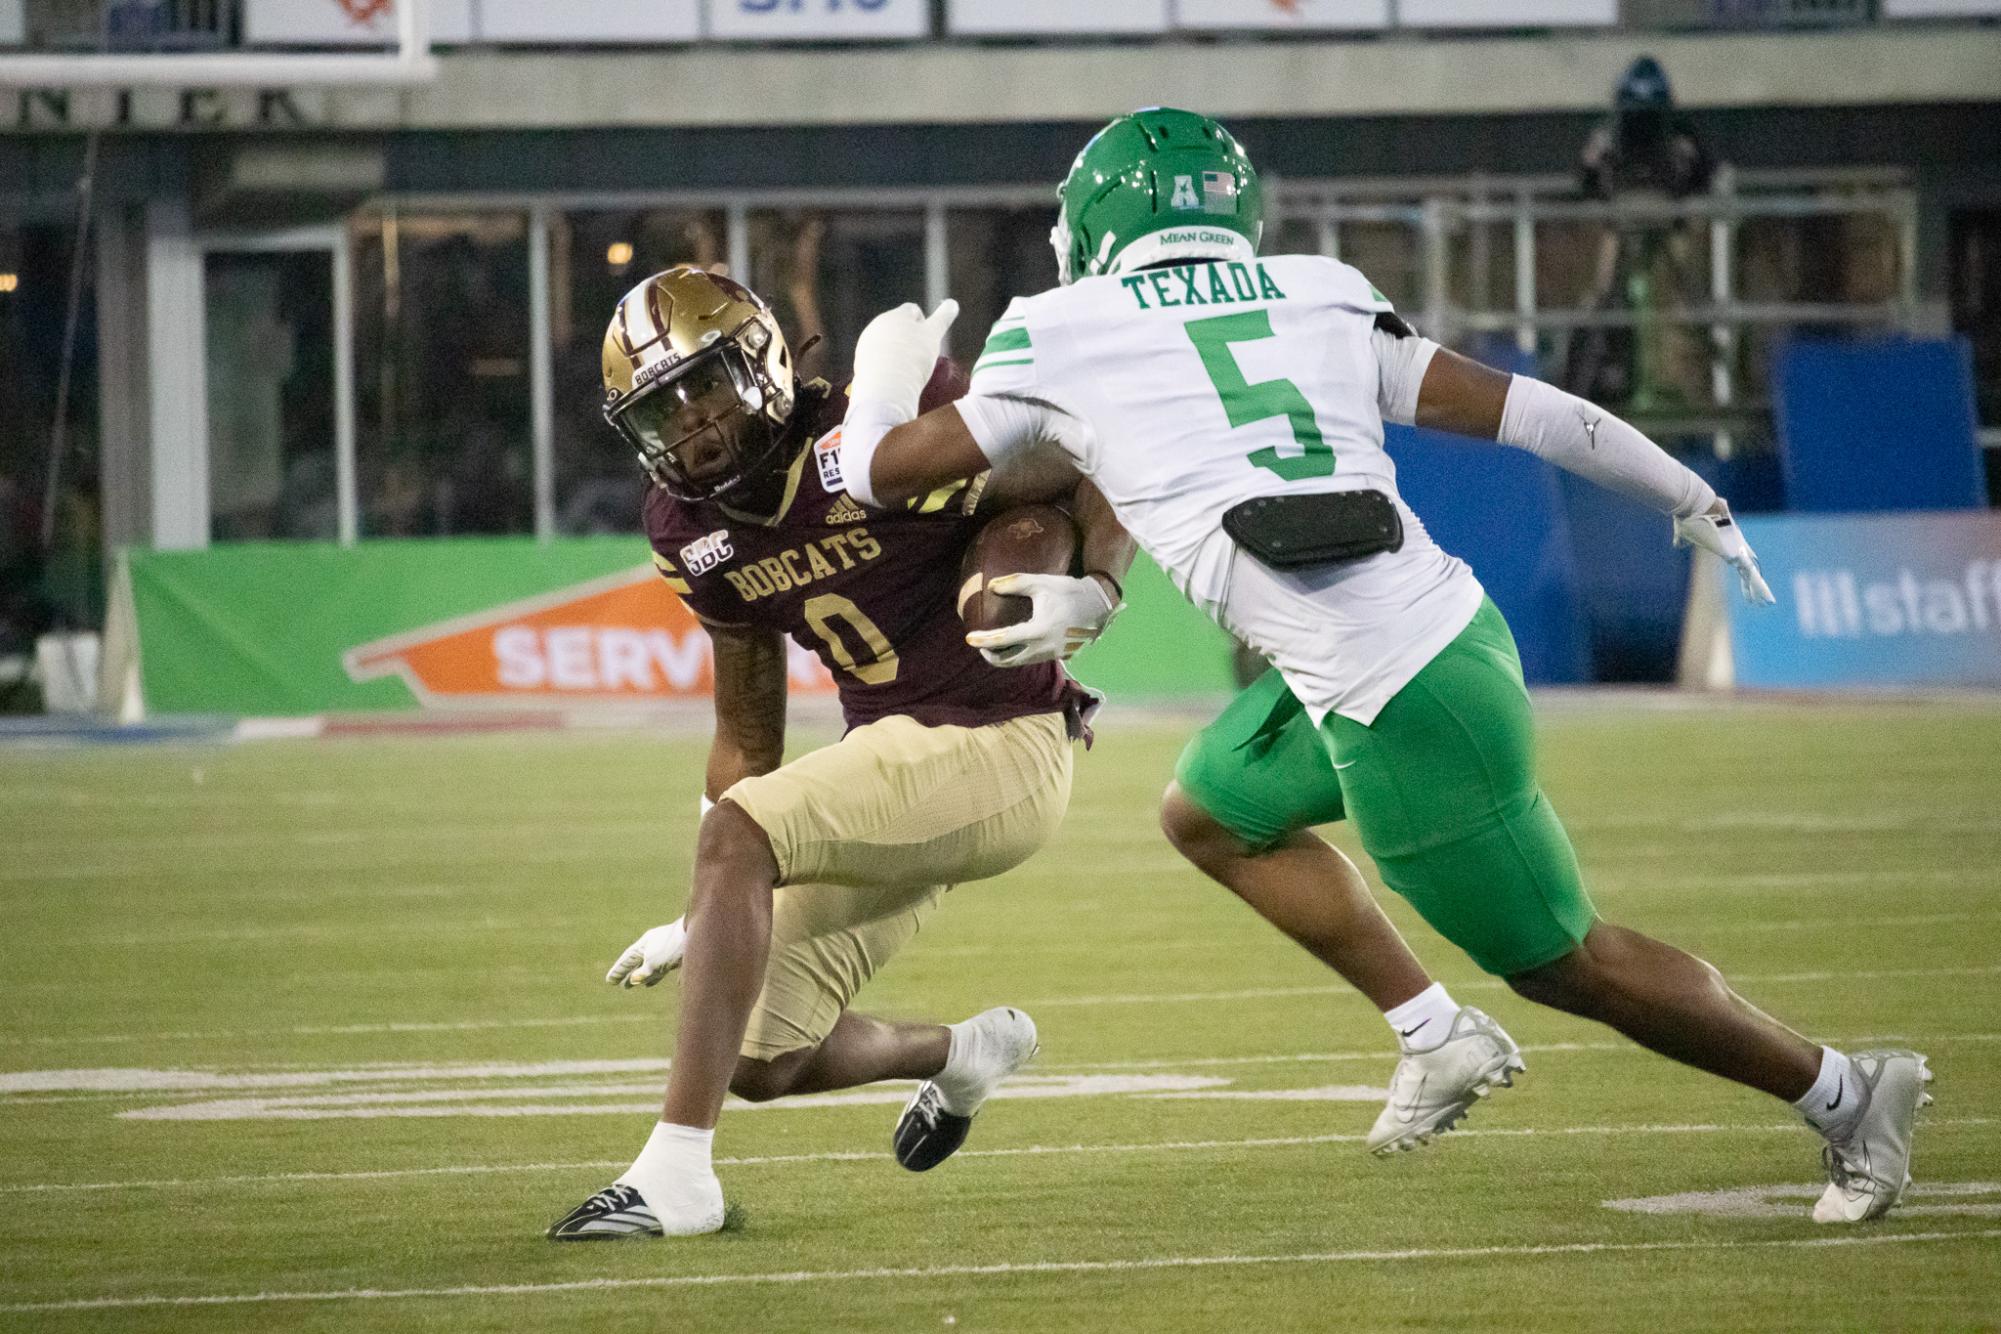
872,592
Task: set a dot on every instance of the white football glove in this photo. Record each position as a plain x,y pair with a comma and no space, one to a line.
651,957
897,353
1068,614
1717,533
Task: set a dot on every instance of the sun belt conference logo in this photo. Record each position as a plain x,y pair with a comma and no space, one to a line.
706,553
624,638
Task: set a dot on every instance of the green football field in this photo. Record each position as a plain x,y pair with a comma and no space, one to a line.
313,1036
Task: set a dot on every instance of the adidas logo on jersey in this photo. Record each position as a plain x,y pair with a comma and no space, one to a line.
846,511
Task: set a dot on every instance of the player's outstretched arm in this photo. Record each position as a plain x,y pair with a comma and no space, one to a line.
1437,388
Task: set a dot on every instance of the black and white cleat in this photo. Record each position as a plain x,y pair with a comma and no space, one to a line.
612,1213
926,1134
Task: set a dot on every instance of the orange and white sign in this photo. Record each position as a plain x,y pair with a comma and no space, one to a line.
621,639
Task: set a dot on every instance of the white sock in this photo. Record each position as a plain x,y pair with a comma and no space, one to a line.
1836,1096
961,1081
675,1158
1425,1020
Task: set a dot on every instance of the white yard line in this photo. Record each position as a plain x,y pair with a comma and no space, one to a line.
343,836
490,924
1003,1269
1024,1151
342,1030
1476,984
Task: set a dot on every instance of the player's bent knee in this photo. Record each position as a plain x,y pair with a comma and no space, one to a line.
765,1081
1194,833
1576,983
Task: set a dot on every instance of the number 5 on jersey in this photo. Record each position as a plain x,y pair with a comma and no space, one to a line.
1245,403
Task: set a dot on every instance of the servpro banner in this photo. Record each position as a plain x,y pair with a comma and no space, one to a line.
287,629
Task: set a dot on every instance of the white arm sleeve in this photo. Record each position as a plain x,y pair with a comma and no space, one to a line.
1003,426
868,421
1583,438
1400,366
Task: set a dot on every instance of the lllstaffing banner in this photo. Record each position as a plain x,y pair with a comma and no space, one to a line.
1908,599
281,629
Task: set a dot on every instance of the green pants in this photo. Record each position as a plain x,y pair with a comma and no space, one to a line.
1441,788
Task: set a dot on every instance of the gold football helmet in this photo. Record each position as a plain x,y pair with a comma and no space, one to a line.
698,379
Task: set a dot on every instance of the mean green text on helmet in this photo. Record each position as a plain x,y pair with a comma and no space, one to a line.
1155,186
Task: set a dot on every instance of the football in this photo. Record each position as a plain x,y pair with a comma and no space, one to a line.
1030,539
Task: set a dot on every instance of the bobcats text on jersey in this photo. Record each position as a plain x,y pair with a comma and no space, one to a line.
799,566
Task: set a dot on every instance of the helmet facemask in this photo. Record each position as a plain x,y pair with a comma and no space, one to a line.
712,425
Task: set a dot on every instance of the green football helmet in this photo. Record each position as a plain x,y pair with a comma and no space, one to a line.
1157,185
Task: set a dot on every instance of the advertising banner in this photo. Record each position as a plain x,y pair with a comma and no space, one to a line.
985,17
1508,13
1933,9
346,22
1910,599
299,628
287,629
818,20
600,21
1283,15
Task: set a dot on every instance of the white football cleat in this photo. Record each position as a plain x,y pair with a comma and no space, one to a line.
1869,1161
938,1118
1433,1090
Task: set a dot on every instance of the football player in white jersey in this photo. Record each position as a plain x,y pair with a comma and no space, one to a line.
1231,409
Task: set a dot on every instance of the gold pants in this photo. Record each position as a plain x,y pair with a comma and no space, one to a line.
869,831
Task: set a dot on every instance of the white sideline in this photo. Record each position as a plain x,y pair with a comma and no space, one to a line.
1001,1269
1024,1151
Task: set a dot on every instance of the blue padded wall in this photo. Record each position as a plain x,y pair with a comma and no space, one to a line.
1502,512
1878,424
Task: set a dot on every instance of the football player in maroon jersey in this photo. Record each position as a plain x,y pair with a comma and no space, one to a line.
810,875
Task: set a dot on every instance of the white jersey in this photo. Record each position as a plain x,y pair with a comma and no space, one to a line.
1182,392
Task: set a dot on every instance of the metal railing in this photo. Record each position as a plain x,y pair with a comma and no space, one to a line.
1474,252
